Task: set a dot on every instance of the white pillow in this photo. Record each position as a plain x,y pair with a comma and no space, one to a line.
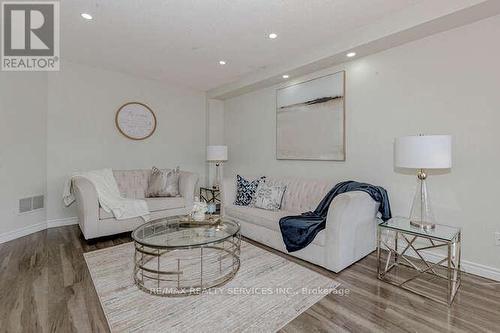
269,196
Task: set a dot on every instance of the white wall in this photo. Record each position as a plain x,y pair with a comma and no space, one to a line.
215,131
82,133
55,124
23,110
444,84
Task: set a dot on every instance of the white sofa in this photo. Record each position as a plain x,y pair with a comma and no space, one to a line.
351,225
95,222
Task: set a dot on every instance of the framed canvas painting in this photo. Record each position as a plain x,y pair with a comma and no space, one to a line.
310,120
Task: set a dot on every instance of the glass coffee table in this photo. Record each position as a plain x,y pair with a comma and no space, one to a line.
177,256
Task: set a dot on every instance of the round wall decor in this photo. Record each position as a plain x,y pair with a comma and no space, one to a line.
135,120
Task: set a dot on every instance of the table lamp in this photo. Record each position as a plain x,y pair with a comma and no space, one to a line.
422,152
217,154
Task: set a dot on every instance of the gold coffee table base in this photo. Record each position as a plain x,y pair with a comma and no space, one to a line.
186,270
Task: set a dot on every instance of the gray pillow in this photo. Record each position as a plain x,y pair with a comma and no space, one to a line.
269,196
163,183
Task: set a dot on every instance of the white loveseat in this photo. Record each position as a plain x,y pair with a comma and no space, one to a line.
95,222
350,232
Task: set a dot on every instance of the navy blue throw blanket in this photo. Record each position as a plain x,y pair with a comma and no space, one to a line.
299,231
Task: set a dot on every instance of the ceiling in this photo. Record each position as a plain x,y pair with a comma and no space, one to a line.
182,41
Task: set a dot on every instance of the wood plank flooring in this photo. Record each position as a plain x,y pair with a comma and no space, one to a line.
45,286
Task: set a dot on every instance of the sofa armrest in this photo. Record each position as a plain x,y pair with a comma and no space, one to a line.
351,228
87,205
187,187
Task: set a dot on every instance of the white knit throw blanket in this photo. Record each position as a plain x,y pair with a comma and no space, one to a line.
109,195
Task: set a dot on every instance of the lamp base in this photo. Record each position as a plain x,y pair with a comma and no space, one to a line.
423,225
217,179
421,213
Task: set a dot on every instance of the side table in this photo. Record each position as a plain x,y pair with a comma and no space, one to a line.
211,195
405,245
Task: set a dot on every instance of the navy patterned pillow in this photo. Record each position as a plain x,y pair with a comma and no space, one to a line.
245,190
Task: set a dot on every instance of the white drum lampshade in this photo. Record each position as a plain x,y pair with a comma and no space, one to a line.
217,154
422,152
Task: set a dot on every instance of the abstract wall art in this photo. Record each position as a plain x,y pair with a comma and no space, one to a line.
310,120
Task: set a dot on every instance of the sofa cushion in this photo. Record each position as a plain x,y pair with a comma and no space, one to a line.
303,195
265,218
132,183
154,205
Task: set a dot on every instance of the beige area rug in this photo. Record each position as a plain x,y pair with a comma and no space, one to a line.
267,293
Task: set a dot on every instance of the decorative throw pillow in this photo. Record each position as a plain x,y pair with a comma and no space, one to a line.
163,183
268,196
245,190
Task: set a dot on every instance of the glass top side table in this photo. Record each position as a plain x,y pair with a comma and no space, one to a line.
211,195
401,244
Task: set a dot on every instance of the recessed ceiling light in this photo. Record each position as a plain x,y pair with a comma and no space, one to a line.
222,62
273,35
351,54
286,76
87,16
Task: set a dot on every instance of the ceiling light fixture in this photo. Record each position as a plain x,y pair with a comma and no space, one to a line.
87,16
273,35
222,62
350,54
286,76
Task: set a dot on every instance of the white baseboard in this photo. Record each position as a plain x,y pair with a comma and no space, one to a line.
481,270
62,222
467,266
14,234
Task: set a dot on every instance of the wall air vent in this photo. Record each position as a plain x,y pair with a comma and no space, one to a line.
32,203
25,205
37,202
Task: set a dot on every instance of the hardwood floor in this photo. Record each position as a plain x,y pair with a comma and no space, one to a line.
45,286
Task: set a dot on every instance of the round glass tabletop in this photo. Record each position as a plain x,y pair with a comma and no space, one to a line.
181,232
